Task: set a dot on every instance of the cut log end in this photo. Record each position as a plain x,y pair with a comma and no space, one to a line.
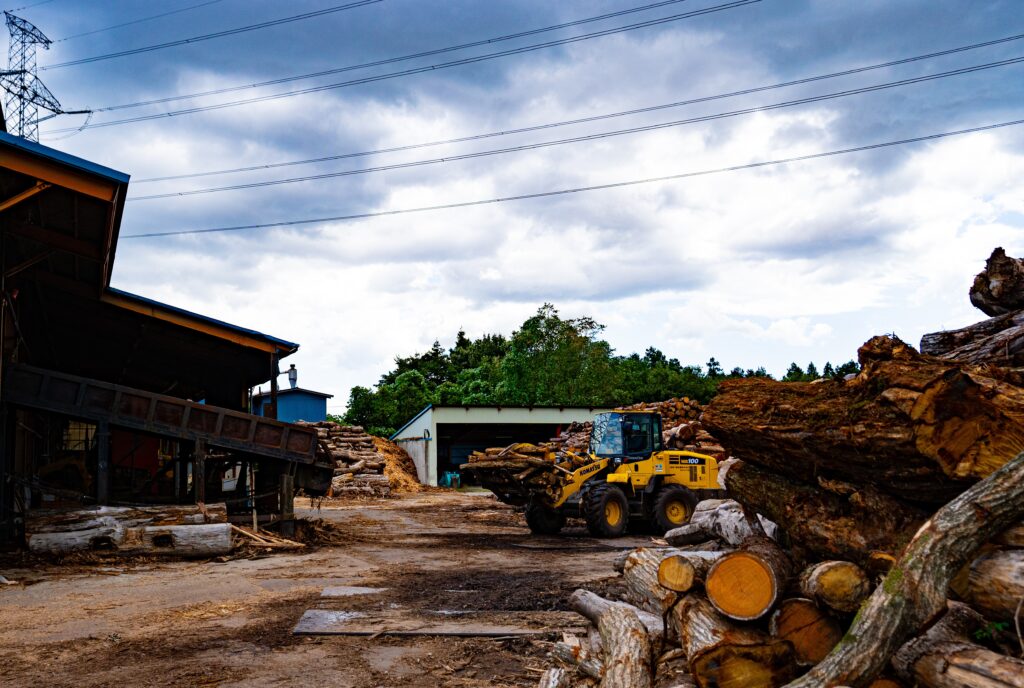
770,664
676,573
812,632
840,585
742,586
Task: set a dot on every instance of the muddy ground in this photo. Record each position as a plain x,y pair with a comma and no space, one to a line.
229,623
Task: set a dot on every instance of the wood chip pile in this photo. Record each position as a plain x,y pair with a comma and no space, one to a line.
359,466
874,536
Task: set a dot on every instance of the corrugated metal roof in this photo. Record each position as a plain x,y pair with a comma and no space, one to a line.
294,390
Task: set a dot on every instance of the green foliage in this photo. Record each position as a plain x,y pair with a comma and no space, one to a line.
548,361
991,630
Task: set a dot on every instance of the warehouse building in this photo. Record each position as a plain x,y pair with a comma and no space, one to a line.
440,438
109,397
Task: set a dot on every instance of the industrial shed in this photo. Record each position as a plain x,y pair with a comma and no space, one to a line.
112,398
440,438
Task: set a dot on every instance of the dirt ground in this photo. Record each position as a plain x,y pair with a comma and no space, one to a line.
435,555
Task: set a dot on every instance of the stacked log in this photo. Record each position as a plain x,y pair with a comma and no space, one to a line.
171,530
674,412
358,466
898,496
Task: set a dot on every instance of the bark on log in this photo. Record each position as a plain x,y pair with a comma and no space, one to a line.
849,526
747,583
717,519
946,657
640,576
681,571
593,607
171,530
915,426
627,649
996,341
995,584
720,654
200,540
840,585
812,632
554,678
914,591
999,288
574,653
1011,537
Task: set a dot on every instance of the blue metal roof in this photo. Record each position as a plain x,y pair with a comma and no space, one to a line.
294,390
213,321
64,158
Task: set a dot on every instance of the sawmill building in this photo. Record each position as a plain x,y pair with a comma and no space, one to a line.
440,438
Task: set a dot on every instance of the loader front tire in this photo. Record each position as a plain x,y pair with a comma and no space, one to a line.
606,511
543,520
673,507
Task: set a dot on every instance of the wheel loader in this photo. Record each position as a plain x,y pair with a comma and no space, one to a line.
627,482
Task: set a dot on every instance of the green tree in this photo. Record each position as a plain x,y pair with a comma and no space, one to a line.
794,374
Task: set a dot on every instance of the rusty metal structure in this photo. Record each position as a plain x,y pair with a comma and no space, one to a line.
107,397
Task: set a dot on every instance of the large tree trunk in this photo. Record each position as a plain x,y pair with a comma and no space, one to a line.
627,649
181,531
996,583
720,654
716,519
999,288
746,584
914,426
946,656
844,522
571,651
839,585
914,591
996,341
812,632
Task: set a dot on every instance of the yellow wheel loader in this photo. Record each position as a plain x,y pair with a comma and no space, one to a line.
627,482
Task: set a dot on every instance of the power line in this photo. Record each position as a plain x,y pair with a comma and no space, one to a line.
209,36
592,137
420,70
581,120
390,60
580,189
30,6
138,21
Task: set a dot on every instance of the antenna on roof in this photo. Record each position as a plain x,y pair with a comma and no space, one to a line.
25,93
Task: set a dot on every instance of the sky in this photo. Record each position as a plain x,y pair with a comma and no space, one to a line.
800,261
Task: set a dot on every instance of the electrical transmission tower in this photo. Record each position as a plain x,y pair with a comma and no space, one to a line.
25,93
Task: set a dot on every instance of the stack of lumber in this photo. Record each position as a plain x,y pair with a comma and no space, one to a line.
167,530
574,438
898,497
692,436
358,466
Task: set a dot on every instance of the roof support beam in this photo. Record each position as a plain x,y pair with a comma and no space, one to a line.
57,240
27,193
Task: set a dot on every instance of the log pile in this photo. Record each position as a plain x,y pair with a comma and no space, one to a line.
361,469
171,531
898,497
673,412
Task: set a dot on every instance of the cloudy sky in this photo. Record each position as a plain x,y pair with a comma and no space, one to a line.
760,266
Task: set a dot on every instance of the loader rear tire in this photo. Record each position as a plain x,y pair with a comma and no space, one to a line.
673,507
543,520
606,511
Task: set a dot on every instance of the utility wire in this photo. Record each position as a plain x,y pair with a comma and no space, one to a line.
137,21
580,189
420,70
209,36
591,137
390,60
25,7
594,118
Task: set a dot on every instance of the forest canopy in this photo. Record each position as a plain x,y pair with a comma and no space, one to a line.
548,361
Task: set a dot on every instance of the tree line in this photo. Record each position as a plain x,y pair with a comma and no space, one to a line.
548,361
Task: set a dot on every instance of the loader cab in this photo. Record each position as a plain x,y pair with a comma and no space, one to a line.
626,435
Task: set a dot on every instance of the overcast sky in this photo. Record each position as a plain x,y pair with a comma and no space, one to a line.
801,261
